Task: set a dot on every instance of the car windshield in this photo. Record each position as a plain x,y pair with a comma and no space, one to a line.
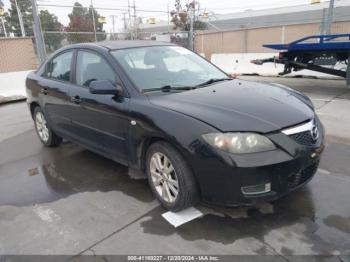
152,68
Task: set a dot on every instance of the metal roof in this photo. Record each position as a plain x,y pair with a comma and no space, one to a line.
298,14
121,44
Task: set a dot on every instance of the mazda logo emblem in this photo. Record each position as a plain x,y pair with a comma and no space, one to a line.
314,133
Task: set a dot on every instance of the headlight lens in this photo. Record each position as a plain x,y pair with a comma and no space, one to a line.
239,143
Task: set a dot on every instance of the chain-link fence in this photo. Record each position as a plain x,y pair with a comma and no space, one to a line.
93,24
54,40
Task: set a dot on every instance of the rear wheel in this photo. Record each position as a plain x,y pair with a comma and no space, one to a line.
45,133
170,178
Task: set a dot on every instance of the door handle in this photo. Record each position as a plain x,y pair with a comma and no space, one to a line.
43,90
76,99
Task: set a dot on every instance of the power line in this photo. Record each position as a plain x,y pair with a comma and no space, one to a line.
104,8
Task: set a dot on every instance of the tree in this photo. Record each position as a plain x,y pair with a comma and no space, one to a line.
49,22
180,17
3,22
81,20
13,21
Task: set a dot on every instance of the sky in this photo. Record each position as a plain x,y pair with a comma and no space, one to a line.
152,6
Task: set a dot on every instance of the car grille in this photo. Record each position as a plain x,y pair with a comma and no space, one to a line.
303,138
304,175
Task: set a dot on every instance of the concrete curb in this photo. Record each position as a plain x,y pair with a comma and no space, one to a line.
11,99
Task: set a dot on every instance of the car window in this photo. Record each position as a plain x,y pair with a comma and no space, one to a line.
59,67
158,66
91,67
136,60
176,64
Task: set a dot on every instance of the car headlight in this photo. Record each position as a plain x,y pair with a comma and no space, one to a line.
239,143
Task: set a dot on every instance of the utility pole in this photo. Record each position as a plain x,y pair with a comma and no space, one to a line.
19,13
130,29
323,22
168,18
93,20
124,19
192,13
135,20
39,39
329,17
113,26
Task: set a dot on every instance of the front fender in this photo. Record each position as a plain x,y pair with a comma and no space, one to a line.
156,123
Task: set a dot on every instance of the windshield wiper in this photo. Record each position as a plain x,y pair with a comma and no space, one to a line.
213,80
168,88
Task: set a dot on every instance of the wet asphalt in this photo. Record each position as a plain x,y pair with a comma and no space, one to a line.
68,200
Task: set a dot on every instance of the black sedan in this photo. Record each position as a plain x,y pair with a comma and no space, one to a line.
170,115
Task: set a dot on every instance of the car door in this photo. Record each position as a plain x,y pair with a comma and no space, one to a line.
100,121
54,87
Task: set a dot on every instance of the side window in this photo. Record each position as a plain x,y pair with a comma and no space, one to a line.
59,67
91,67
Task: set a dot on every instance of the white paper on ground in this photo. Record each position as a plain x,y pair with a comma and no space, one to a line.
182,217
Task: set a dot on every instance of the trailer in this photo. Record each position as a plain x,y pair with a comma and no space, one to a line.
319,53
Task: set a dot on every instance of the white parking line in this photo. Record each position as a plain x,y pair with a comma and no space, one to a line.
339,176
323,171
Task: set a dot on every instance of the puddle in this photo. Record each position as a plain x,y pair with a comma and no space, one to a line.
82,171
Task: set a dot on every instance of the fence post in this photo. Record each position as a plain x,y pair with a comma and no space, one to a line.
93,20
191,31
348,72
329,17
39,40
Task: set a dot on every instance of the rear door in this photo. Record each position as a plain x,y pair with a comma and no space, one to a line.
54,91
100,121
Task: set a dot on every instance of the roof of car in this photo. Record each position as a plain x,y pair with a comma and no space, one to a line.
121,44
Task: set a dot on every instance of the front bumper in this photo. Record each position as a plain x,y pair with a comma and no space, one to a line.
221,176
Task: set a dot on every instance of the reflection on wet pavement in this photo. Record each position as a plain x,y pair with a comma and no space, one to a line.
80,171
291,229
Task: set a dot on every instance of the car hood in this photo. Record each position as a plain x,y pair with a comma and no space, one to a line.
240,106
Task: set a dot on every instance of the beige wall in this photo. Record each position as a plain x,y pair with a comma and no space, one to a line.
251,40
17,54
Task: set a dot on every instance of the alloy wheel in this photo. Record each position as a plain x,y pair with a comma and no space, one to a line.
164,177
41,126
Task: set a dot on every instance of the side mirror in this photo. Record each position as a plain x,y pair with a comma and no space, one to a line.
105,87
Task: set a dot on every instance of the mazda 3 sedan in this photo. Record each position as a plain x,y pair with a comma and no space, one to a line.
172,116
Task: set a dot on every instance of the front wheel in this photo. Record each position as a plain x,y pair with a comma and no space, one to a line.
45,133
170,178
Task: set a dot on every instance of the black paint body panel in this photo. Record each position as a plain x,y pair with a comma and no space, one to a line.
102,123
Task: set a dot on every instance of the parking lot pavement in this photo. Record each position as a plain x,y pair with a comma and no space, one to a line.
68,200
15,119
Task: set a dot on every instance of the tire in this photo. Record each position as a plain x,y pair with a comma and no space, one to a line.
43,130
187,192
